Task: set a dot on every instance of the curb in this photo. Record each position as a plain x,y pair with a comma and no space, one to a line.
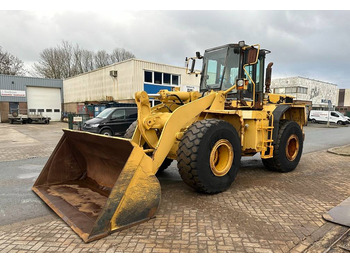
342,150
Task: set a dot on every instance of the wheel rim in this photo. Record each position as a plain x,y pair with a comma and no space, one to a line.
106,133
221,157
292,147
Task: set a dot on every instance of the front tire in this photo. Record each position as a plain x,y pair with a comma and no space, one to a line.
209,156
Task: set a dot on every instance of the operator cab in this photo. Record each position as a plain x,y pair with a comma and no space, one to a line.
223,66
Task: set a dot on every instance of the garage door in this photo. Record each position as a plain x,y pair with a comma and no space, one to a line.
45,101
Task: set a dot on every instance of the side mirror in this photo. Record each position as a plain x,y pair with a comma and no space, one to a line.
190,63
193,65
251,55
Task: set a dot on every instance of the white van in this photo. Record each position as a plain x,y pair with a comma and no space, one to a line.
322,116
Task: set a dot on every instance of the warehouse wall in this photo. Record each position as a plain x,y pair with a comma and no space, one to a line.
347,97
316,90
14,89
140,66
98,85
20,83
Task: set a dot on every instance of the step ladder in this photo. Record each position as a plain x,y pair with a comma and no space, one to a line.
266,138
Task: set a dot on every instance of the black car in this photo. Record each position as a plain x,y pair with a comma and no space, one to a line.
112,121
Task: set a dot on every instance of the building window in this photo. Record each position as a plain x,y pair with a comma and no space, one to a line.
32,110
41,110
157,78
166,79
302,90
161,78
175,80
148,77
48,110
290,90
56,110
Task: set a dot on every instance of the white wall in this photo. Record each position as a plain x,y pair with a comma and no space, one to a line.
97,85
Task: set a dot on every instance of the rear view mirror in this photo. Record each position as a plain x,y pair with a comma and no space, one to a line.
190,63
193,65
251,55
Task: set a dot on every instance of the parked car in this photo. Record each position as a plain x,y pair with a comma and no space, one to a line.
113,121
317,116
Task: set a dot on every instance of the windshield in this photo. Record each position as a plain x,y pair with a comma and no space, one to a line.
105,113
341,114
219,72
214,63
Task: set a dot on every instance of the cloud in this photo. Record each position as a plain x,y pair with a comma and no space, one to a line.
305,43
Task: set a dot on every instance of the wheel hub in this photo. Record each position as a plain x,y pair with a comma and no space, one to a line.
292,147
221,157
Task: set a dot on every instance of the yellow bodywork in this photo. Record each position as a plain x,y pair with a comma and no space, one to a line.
253,126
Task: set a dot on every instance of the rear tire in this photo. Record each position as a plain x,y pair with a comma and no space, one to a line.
106,132
209,156
288,148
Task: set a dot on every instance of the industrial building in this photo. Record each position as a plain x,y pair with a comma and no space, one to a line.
314,93
344,101
119,82
29,95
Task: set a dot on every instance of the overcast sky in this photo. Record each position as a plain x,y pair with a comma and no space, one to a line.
312,44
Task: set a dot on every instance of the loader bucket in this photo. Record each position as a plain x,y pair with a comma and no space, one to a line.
98,184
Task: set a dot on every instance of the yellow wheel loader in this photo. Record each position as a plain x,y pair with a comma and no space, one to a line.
99,184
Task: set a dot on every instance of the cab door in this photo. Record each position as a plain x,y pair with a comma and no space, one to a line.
334,117
117,121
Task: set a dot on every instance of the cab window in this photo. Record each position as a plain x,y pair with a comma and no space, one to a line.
334,114
131,114
118,114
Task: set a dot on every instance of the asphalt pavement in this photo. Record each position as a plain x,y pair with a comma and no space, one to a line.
17,201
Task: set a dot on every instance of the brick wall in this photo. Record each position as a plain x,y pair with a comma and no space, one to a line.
4,110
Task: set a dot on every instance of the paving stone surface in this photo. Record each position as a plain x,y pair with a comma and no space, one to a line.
262,212
29,141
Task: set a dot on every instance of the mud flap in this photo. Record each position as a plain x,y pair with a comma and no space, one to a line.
98,184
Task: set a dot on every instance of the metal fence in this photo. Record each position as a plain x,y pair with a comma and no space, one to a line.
76,121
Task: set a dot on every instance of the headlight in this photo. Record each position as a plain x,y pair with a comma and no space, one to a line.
240,83
94,125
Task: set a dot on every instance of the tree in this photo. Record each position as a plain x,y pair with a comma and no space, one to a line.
102,58
120,54
66,61
10,64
